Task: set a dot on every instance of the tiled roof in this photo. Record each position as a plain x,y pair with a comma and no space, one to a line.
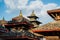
21,19
52,26
55,10
3,22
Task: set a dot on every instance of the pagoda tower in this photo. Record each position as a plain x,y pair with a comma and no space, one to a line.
33,19
20,27
19,22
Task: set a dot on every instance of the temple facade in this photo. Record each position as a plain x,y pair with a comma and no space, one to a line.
22,28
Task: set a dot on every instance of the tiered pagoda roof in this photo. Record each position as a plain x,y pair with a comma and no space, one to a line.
34,17
19,20
22,21
22,28
52,26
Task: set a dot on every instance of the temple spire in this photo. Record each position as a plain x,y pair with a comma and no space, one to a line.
21,14
33,13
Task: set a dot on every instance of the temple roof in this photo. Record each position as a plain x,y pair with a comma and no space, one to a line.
20,18
36,22
55,14
19,21
52,26
3,21
52,11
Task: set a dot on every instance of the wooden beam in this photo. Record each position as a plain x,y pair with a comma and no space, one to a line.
56,15
53,15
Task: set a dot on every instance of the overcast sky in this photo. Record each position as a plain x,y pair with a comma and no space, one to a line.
11,8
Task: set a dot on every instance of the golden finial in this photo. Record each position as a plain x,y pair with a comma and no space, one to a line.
33,13
21,14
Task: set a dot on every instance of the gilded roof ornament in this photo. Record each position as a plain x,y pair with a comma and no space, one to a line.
33,13
21,14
